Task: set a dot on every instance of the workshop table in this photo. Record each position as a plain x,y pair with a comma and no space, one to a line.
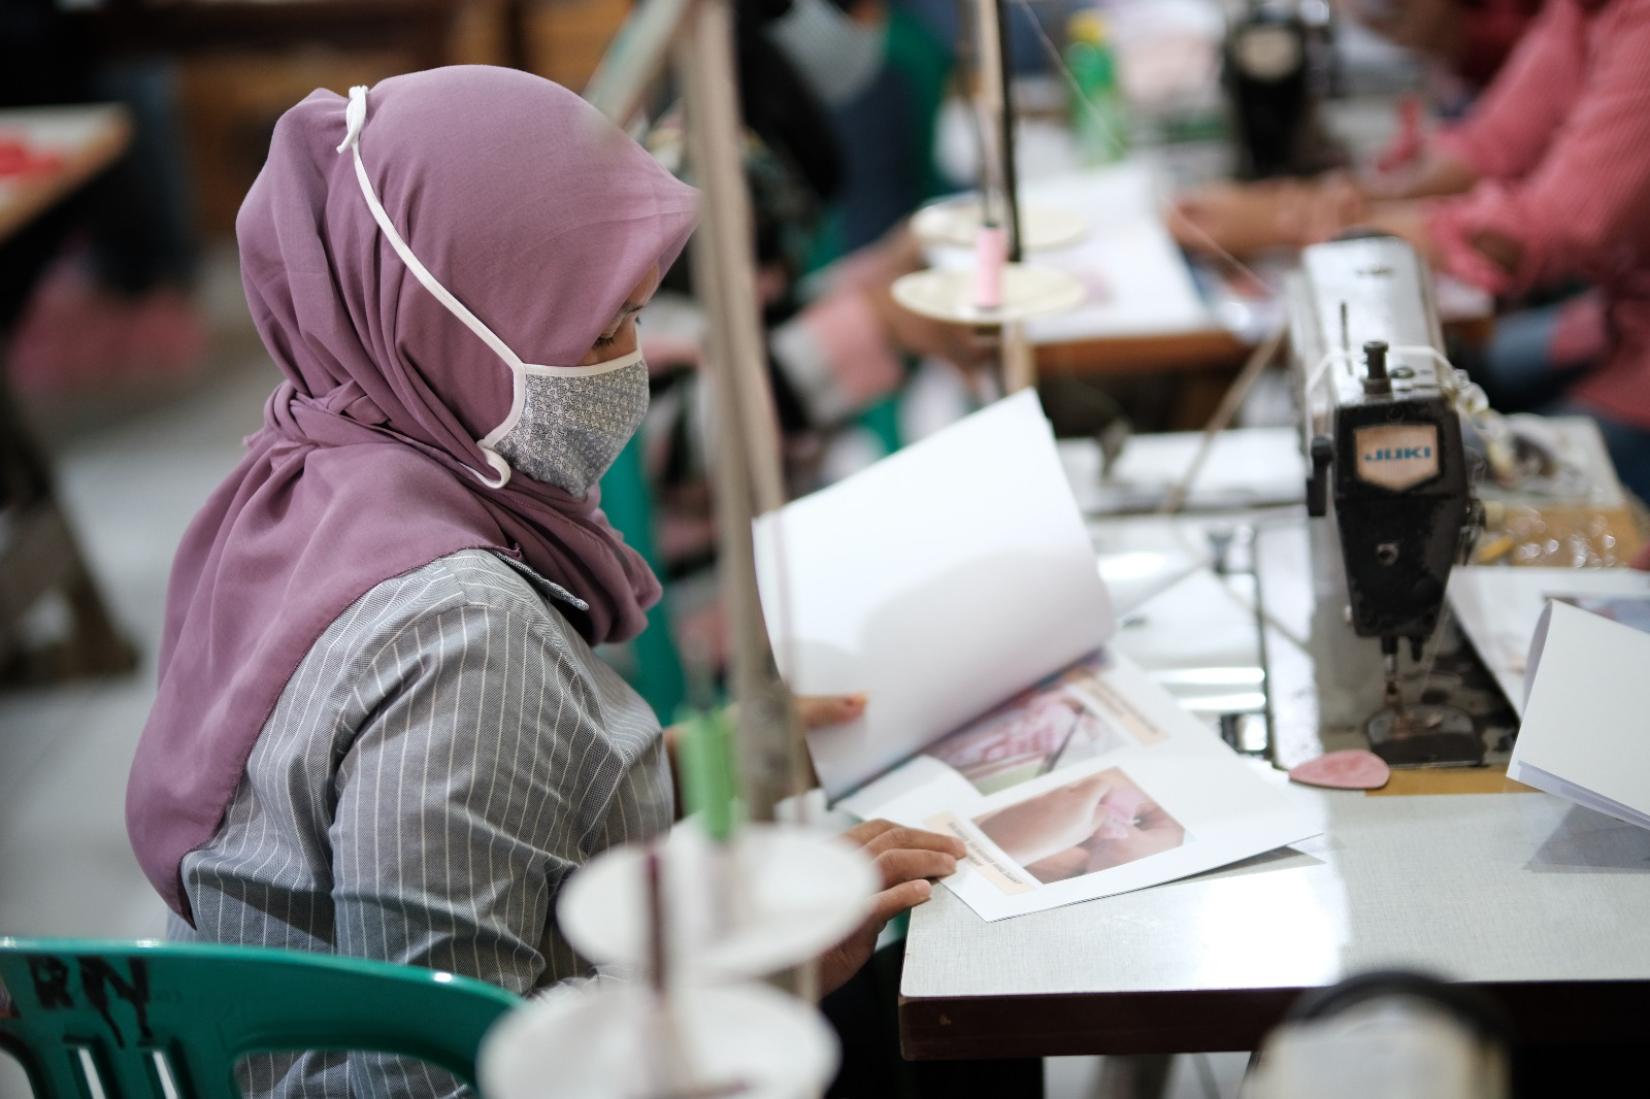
1459,873
1193,332
1535,900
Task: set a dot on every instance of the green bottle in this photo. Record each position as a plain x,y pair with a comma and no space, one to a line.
1096,105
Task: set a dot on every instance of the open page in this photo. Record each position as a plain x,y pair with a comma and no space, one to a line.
1499,608
940,581
1094,783
1584,732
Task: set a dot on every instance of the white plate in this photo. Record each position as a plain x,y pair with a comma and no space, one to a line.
948,295
613,1040
955,222
781,894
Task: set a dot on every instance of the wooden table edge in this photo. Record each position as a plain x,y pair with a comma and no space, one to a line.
30,198
1221,1020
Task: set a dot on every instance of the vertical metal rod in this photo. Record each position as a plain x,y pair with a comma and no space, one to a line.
746,447
1005,106
998,177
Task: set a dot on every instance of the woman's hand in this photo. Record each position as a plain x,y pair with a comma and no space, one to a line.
823,711
1229,217
906,859
1246,218
963,346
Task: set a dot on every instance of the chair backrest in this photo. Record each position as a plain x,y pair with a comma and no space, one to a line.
135,1013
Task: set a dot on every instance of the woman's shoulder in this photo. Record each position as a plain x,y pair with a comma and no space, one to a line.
489,581
474,591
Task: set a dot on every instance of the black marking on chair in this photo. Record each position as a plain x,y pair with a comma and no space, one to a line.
51,981
97,977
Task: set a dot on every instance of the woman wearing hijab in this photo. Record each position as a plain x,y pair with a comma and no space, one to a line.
381,729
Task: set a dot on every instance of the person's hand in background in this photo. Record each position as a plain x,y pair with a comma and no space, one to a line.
963,346
1245,218
907,860
897,253
823,711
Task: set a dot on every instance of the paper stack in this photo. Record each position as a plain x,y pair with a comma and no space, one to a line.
1586,731
955,584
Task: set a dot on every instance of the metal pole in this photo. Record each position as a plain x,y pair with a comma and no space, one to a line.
996,104
746,445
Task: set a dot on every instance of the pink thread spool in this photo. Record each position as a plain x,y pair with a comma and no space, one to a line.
990,255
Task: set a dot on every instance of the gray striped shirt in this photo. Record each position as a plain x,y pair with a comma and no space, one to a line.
445,755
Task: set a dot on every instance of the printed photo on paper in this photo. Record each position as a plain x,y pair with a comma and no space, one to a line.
1068,718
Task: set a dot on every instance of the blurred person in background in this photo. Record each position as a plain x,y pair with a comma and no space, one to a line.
838,345
1546,183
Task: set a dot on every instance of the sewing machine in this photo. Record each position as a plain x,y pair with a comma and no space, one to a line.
1390,492
1275,68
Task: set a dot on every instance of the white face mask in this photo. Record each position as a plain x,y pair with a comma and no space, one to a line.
567,424
572,426
835,55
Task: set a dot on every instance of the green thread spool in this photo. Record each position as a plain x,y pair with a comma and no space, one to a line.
710,778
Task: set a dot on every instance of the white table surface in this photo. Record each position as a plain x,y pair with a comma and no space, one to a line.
1540,900
1491,889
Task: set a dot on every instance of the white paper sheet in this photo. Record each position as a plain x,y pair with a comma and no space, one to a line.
1586,730
1152,795
1246,468
1499,608
939,581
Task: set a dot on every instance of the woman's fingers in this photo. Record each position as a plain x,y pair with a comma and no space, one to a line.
842,961
896,899
866,831
896,837
905,859
906,865
827,710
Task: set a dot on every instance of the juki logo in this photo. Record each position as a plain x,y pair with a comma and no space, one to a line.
1396,456
1399,454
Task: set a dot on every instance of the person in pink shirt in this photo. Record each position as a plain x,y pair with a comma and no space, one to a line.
1545,183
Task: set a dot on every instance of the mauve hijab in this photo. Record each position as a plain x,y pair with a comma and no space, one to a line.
538,215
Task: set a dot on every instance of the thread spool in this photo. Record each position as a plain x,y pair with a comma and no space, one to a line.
990,255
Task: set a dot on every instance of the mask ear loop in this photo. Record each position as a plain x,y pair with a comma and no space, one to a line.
355,118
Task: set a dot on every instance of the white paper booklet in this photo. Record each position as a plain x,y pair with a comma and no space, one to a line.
1499,608
955,584
1586,730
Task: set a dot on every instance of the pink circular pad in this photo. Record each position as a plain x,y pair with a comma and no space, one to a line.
1354,769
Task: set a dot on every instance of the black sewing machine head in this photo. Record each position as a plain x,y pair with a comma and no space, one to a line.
1393,464
1391,485
1275,66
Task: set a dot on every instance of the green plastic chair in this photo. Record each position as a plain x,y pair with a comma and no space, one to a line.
137,1012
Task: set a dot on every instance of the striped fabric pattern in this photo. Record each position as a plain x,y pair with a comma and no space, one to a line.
446,754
